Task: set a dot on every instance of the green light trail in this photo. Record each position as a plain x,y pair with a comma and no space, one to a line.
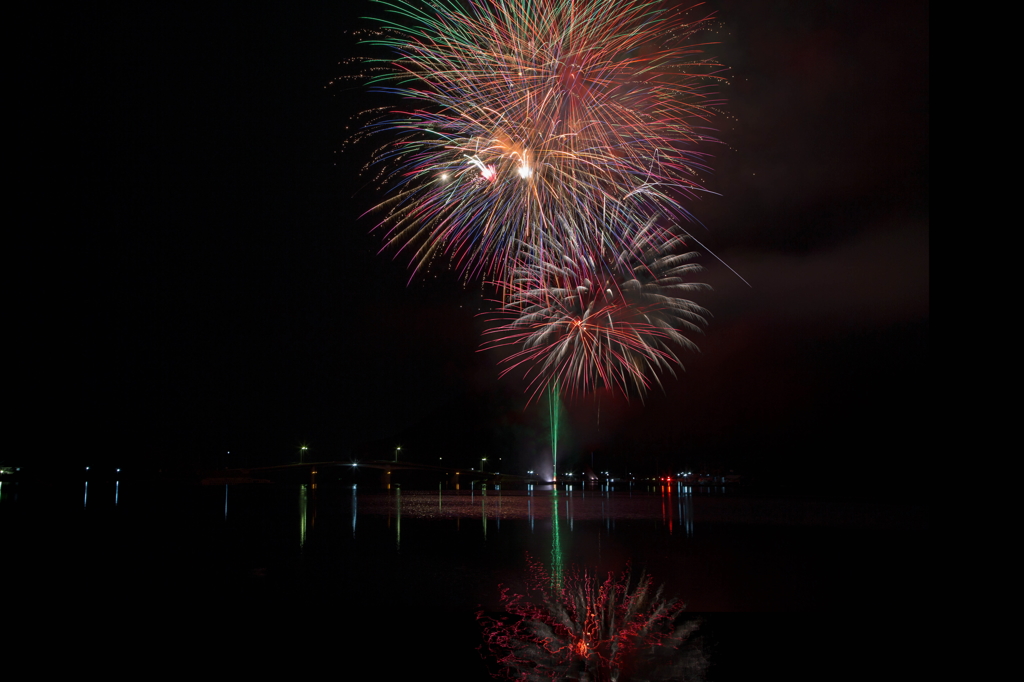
557,560
553,410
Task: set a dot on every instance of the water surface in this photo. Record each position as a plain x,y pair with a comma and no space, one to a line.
396,576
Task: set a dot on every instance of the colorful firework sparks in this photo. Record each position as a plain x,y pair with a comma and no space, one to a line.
538,125
586,629
610,323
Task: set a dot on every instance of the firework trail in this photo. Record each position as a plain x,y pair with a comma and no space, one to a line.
538,125
610,323
589,629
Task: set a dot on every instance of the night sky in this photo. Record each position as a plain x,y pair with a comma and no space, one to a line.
206,281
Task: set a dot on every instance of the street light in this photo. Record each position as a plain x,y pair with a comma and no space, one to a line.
482,460
396,452
302,451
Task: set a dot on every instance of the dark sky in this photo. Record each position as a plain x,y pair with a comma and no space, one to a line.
208,285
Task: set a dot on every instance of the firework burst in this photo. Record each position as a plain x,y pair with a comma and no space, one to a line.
595,630
612,322
538,125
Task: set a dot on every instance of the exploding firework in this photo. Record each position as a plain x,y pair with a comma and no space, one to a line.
538,125
591,630
609,323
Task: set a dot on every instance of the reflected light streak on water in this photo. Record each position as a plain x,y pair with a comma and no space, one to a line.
557,559
302,515
225,501
355,507
117,491
684,505
568,508
679,502
668,495
688,510
606,509
663,512
85,500
483,508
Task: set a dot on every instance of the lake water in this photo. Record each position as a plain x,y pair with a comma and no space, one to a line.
261,575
